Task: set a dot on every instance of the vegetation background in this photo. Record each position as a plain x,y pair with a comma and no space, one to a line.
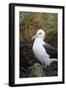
29,23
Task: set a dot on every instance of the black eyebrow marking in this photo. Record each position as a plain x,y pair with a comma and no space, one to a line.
40,33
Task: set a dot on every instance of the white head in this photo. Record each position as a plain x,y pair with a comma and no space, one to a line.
40,34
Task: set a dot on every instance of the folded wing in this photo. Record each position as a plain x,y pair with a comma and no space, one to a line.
51,51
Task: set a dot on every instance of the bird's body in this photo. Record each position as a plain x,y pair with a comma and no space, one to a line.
38,49
40,52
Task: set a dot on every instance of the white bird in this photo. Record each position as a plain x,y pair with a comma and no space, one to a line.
39,51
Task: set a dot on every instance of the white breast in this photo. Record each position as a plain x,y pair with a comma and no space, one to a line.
40,52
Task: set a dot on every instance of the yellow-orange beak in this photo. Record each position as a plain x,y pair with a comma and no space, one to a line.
33,37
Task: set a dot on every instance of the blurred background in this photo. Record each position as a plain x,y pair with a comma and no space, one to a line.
29,23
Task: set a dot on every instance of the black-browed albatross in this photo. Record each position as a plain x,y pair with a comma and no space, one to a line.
43,52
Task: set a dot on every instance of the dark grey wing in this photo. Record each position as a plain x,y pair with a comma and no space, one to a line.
51,51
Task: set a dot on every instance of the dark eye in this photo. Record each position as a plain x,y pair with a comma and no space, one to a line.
39,33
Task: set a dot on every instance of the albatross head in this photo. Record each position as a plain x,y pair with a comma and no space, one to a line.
40,34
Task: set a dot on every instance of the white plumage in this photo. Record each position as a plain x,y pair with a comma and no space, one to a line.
38,49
